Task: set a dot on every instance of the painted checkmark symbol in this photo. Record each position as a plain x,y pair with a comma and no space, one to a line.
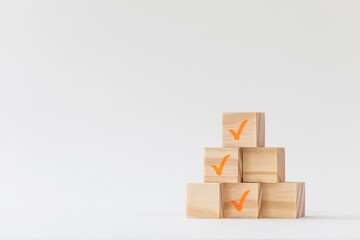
239,205
219,169
236,135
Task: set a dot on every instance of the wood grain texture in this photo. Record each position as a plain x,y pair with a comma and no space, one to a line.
253,133
281,164
252,204
265,165
232,169
260,130
300,200
204,200
283,200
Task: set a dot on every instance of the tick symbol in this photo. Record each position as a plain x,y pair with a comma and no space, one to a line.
242,199
237,134
219,169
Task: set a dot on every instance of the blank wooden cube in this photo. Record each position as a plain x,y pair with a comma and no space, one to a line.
243,129
266,165
204,200
223,165
242,200
283,200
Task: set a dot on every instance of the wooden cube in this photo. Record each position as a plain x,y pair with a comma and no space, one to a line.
242,200
240,129
265,165
204,200
283,200
223,165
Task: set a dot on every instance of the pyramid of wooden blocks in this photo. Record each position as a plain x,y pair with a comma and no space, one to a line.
243,178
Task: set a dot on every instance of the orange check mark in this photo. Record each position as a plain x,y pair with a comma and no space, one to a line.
240,205
219,169
237,134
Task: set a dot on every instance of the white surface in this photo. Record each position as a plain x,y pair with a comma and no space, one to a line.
115,225
106,107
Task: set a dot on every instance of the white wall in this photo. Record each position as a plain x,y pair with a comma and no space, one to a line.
106,105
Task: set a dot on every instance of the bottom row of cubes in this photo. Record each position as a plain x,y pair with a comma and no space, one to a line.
245,200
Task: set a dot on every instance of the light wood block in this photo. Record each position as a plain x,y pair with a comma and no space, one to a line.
242,200
283,200
265,165
204,200
223,165
243,129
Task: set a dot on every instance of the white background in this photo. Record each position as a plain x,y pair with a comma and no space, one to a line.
106,107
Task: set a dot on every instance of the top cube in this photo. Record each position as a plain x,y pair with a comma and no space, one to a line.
243,129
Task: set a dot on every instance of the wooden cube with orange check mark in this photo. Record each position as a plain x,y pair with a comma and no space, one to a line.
223,165
283,200
243,129
263,164
242,200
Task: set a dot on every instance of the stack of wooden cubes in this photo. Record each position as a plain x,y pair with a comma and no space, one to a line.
245,179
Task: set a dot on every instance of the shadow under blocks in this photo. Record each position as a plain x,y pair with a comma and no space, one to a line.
243,178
